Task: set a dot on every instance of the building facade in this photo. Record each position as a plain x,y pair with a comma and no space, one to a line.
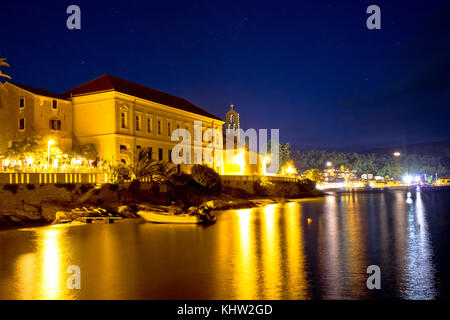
30,112
112,113
118,115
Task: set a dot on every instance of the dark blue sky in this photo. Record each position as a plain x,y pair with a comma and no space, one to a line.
310,68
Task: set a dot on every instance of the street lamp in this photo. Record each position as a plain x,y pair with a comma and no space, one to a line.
397,154
49,144
329,164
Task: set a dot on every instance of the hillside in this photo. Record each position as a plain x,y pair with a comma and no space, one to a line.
435,148
423,158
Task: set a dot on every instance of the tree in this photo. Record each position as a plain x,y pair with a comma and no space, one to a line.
163,172
285,155
314,175
88,151
3,90
3,63
206,177
140,163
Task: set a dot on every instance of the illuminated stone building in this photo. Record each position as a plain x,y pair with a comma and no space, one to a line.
31,112
232,119
112,113
117,114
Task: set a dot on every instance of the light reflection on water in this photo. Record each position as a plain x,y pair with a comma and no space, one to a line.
307,249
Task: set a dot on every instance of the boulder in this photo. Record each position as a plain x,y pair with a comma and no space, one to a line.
49,210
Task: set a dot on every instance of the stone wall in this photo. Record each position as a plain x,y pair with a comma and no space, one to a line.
37,202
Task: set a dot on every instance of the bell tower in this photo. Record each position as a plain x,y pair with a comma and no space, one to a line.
232,119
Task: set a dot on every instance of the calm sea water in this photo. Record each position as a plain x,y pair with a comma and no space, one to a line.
309,249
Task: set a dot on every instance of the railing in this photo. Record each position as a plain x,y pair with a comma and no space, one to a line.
99,178
45,178
238,178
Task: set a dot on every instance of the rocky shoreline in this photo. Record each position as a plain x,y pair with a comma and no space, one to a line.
56,213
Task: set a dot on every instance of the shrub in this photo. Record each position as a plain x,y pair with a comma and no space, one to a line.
11,187
264,188
30,186
120,173
237,193
86,187
113,186
68,186
206,177
134,186
306,185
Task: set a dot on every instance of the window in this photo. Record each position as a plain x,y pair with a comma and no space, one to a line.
149,125
123,148
55,124
160,154
54,104
123,120
168,129
159,126
22,124
138,123
22,103
138,147
170,155
150,151
188,157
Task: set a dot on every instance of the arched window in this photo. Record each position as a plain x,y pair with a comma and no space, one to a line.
232,118
123,120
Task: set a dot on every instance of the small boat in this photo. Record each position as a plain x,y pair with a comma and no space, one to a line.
160,217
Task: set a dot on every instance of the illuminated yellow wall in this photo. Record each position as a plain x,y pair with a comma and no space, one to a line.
241,163
37,112
97,119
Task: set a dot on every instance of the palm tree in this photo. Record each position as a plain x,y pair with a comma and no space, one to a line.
3,90
163,171
140,163
3,63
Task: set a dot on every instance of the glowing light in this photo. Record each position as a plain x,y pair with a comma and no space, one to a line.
289,169
397,154
417,179
239,159
329,164
407,179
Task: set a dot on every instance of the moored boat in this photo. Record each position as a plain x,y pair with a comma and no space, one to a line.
160,217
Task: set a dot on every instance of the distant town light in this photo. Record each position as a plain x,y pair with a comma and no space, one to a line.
329,164
407,179
397,154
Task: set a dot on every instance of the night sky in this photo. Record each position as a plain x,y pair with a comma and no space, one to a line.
310,68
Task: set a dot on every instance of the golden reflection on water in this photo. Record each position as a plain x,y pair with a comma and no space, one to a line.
270,252
42,274
245,278
50,265
355,246
259,269
295,253
297,250
331,266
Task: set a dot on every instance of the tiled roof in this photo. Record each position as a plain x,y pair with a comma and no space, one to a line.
108,82
38,91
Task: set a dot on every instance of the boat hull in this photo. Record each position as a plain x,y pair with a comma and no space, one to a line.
168,218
